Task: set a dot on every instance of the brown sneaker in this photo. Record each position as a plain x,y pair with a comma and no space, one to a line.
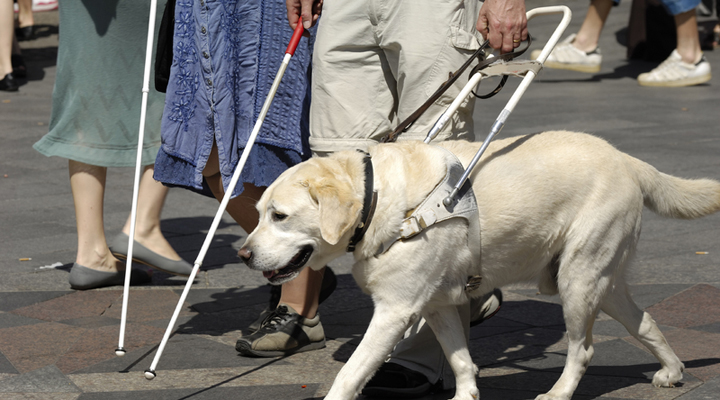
282,333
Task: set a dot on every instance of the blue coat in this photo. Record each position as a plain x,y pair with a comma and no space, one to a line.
226,55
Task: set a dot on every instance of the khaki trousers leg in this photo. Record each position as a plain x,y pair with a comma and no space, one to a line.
375,62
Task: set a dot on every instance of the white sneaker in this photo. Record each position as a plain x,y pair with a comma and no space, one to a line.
44,5
674,72
567,56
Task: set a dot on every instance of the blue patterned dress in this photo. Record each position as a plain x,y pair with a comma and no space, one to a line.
225,58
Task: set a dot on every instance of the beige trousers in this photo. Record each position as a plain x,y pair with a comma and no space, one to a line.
376,61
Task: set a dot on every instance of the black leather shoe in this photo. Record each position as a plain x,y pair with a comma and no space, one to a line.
25,33
8,83
393,381
18,66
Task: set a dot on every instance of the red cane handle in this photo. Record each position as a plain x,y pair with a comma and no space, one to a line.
295,39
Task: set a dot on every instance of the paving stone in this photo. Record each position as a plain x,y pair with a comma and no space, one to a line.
696,306
99,344
46,379
513,346
58,344
182,352
708,391
147,305
531,312
74,305
6,368
31,347
12,300
8,320
290,392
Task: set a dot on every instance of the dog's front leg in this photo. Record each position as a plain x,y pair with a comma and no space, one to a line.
448,328
386,328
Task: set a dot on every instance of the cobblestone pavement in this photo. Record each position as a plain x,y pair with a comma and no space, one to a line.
56,343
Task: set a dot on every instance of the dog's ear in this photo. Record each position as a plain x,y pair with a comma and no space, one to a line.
338,208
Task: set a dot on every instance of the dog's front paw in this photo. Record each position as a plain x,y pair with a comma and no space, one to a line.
472,394
667,377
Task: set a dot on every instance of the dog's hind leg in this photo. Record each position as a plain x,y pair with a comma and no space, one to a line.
584,276
619,305
579,318
386,328
448,328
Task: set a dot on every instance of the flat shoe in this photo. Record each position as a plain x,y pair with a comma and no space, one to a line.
25,33
143,255
83,278
19,67
393,381
8,83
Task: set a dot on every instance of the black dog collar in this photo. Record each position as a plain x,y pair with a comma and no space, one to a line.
369,204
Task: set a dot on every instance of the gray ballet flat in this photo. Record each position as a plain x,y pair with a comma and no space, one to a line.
83,278
143,255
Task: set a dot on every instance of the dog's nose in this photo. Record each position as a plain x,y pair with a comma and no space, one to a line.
245,254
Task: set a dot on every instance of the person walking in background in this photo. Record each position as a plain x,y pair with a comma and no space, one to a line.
686,65
8,83
25,29
94,124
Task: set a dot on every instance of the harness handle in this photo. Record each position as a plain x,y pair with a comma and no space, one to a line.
483,63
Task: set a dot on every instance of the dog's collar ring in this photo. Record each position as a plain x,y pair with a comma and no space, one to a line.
369,204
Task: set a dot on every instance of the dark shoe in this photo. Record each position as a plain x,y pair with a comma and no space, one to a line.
393,381
329,283
18,66
491,305
282,333
8,83
143,255
83,278
25,33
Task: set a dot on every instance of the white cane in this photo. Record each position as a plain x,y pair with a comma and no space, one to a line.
150,372
120,351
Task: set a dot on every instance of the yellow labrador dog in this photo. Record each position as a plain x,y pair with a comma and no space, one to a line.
559,208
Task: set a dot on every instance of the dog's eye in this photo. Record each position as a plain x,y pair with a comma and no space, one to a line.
277,216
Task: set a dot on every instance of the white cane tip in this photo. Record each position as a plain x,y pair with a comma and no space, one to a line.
120,352
150,375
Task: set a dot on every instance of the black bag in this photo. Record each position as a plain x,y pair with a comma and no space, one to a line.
164,52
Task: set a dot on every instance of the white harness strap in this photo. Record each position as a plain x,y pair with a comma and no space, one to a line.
432,210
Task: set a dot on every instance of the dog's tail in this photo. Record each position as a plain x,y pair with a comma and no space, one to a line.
675,197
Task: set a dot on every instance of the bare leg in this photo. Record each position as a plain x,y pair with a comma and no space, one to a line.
6,36
589,34
25,14
151,199
688,41
88,188
301,293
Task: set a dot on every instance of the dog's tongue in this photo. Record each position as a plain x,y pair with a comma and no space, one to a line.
268,274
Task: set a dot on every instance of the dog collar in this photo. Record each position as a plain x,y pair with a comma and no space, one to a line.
368,204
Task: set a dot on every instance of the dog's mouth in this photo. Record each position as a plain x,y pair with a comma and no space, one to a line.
298,261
